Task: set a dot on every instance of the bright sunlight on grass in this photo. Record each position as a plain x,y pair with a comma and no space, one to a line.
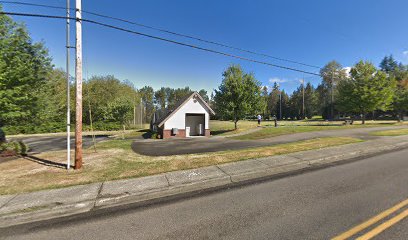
114,159
394,132
271,131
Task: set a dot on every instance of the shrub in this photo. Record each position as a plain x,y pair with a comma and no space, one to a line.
23,148
50,127
13,148
154,135
33,128
6,147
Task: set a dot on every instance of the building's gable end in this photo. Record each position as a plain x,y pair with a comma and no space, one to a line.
193,97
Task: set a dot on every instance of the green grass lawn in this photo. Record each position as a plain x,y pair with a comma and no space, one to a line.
227,127
289,129
272,131
396,132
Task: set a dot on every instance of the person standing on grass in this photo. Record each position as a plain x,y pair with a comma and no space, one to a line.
259,119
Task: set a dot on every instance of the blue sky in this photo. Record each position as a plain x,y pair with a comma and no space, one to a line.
312,32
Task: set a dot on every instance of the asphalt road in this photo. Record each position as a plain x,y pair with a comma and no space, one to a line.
40,144
314,205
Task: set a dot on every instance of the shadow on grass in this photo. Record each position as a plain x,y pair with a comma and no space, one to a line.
218,132
144,130
45,162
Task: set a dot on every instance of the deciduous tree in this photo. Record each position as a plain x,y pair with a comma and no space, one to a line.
23,69
239,94
366,90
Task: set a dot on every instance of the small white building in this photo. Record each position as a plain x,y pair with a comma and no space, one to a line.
190,117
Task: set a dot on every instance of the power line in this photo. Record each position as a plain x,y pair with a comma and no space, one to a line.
201,40
167,31
34,4
159,38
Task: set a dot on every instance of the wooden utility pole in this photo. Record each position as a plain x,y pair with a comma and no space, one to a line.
78,76
68,93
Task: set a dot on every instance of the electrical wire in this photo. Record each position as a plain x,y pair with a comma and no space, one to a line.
165,31
33,4
159,38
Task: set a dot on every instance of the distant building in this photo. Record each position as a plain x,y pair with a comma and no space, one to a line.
190,117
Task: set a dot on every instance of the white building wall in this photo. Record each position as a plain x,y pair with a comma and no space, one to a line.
178,120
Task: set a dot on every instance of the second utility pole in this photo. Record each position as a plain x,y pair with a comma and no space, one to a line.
78,76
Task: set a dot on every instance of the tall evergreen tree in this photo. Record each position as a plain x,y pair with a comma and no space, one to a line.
204,95
388,64
147,95
273,100
161,98
285,104
177,95
311,104
264,102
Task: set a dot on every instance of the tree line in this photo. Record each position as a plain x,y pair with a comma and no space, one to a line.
363,91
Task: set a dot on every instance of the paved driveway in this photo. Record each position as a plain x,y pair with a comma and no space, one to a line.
169,147
189,145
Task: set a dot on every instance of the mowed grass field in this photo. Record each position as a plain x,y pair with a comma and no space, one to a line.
114,159
226,128
396,132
